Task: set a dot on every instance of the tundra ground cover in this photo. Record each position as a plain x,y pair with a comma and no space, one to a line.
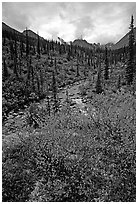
75,157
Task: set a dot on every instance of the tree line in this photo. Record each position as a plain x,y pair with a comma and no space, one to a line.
22,49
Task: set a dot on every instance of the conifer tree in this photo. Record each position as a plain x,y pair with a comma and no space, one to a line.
3,41
41,81
89,63
130,70
33,82
78,74
38,46
11,50
21,49
54,88
28,80
106,73
69,55
38,85
98,82
119,83
48,105
55,62
29,63
20,64
15,66
27,43
5,70
15,47
84,71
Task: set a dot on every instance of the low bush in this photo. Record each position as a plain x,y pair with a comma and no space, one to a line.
76,158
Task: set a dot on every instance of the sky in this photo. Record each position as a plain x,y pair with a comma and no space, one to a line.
96,22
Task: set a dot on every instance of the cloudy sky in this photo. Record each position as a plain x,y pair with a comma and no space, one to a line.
94,21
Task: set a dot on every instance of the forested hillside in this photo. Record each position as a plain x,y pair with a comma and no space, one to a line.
69,120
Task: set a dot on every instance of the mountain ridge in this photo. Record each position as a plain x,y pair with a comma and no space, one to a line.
9,28
124,41
32,34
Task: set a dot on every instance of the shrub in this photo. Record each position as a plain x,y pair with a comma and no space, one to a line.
76,157
82,90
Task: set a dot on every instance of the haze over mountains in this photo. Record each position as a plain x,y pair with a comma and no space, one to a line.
79,42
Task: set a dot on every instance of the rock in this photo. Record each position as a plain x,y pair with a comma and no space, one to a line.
75,134
11,120
10,117
72,103
73,156
15,114
72,94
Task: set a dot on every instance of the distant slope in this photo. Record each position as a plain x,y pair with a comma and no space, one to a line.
7,28
123,41
32,34
83,43
109,45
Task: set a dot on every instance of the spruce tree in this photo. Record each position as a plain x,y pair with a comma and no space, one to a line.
69,55
11,50
38,46
5,70
54,88
3,41
28,79
106,73
55,62
15,66
48,105
41,81
98,82
38,85
20,65
33,80
29,65
21,49
27,43
77,74
119,83
130,71
15,47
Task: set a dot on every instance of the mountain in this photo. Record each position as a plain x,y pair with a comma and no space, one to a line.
123,41
61,41
83,43
109,45
7,28
32,34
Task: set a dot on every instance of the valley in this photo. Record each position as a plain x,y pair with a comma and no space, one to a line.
68,120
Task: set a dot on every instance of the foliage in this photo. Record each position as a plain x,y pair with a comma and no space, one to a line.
98,86
5,71
75,157
82,90
130,69
78,153
106,73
